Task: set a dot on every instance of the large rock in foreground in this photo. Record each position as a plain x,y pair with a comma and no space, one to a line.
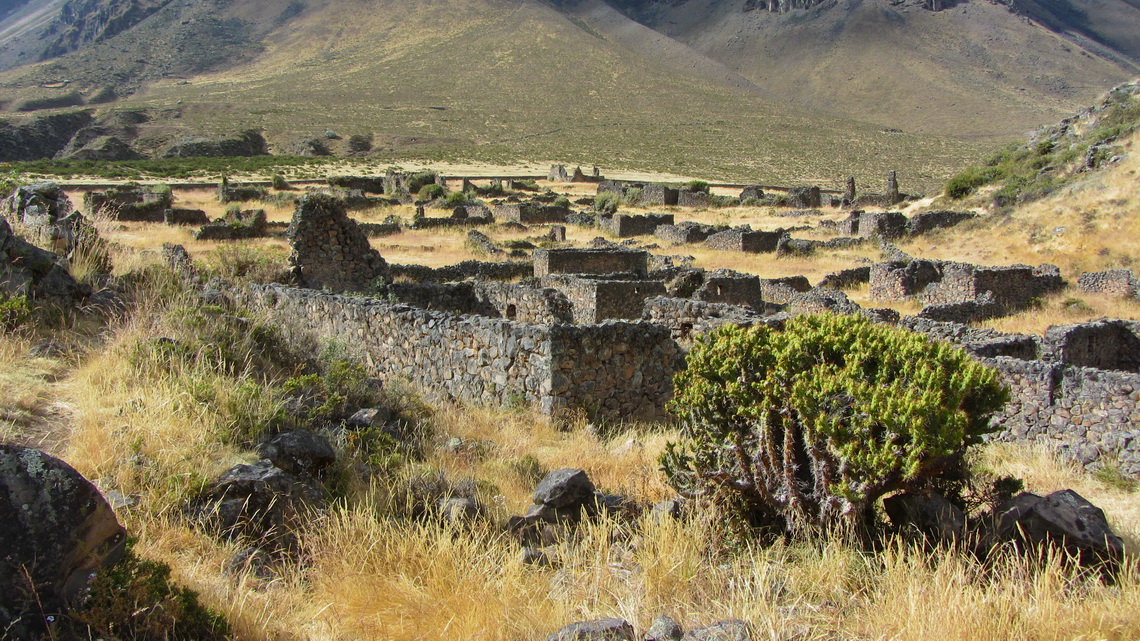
1063,518
56,531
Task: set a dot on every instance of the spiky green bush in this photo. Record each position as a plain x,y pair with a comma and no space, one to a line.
803,429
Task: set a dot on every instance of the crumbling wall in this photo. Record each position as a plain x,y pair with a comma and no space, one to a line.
1091,414
531,213
329,250
629,225
594,300
590,261
615,371
746,240
1117,282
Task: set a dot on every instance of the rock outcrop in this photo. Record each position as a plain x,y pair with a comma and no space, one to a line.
56,531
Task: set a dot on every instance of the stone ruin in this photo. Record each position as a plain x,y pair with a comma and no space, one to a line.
531,213
890,198
329,249
141,203
602,330
236,225
236,193
962,292
629,225
1116,282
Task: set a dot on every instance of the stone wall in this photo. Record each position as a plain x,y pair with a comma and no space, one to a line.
887,224
923,222
657,195
686,198
614,371
732,288
629,225
687,318
522,302
684,233
1013,287
590,261
1103,344
531,213
1092,414
486,270
899,280
746,240
329,250
846,278
985,343
783,290
594,300
1117,282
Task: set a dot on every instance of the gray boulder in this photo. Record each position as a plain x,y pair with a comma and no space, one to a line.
564,488
733,630
930,516
56,531
261,503
300,452
664,628
27,270
1062,518
599,630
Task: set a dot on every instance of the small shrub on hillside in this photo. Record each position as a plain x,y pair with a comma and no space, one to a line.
607,203
803,429
418,180
529,184
279,183
360,143
15,311
457,199
69,99
696,185
632,195
135,600
431,192
562,201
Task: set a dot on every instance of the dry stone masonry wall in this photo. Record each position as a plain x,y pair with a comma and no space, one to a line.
613,371
329,249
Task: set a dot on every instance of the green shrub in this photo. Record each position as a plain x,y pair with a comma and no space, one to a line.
696,185
456,199
14,311
135,600
360,143
632,195
279,183
803,429
562,201
431,192
965,183
607,203
418,180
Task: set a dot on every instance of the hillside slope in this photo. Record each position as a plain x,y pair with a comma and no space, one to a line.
698,86
972,69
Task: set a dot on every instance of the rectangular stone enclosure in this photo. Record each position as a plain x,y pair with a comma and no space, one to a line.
590,261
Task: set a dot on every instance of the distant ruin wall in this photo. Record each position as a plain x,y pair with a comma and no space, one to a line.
614,371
